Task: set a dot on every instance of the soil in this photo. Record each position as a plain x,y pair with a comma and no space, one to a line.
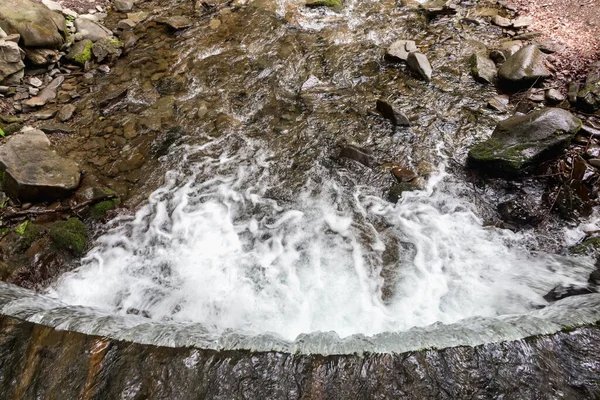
572,24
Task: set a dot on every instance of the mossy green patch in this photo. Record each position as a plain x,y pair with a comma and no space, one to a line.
324,3
85,55
99,210
587,247
69,235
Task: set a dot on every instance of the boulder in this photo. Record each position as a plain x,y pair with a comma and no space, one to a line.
123,5
37,25
91,30
483,69
526,65
107,48
521,143
400,49
11,60
42,56
33,172
395,116
588,98
418,63
80,52
177,22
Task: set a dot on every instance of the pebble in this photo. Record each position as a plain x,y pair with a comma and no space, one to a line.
522,22
33,91
35,82
66,112
554,96
104,68
501,21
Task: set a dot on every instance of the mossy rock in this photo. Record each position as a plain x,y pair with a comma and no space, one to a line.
69,235
397,189
589,246
99,210
81,52
334,4
520,144
26,234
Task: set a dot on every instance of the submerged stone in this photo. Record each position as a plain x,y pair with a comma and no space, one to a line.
395,116
33,171
525,66
520,144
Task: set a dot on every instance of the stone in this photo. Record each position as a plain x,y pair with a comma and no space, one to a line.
123,5
434,8
399,188
37,25
588,98
335,4
52,5
522,22
137,17
47,94
177,22
482,68
66,112
395,116
572,91
400,49
510,47
521,143
42,56
91,30
126,25
81,52
418,63
497,56
107,49
537,96
525,66
555,96
33,172
35,82
44,114
11,60
55,127
358,154
501,21
499,103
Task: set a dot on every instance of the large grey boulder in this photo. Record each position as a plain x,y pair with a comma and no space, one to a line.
33,171
526,65
37,25
91,30
522,143
11,60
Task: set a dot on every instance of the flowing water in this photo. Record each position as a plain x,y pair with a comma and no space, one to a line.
262,237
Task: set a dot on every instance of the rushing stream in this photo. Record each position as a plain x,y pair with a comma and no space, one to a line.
262,237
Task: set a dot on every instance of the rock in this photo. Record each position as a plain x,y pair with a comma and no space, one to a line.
47,94
508,48
594,162
15,37
419,64
137,17
522,22
126,25
554,96
572,92
438,7
33,171
128,39
66,112
123,5
55,127
177,22
397,189
399,50
521,143
525,66
388,111
499,103
358,154
501,21
483,69
403,174
35,82
588,98
44,114
537,96
37,25
11,60
81,52
91,30
335,4
42,56
52,5
497,56
561,292
107,49
69,235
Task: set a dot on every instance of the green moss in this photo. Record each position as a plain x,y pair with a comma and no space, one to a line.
587,247
84,55
29,233
69,235
100,209
324,3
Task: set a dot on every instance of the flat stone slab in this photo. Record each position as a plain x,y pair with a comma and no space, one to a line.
33,172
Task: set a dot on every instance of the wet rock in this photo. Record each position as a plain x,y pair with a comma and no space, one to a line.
42,56
438,7
483,69
403,174
107,49
554,96
520,212
55,127
123,5
335,4
44,114
47,94
69,235
399,188
33,171
395,116
521,143
400,49
501,21
128,39
113,96
11,60
418,63
126,25
588,98
81,52
177,22
355,153
90,30
537,96
499,103
525,66
66,112
562,292
37,25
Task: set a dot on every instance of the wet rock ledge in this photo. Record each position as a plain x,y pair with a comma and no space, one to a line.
41,362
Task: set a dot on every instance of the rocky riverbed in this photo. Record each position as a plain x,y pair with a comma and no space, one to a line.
100,99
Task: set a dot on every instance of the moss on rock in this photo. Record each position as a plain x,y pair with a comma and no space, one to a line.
99,210
69,235
81,52
587,247
324,3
